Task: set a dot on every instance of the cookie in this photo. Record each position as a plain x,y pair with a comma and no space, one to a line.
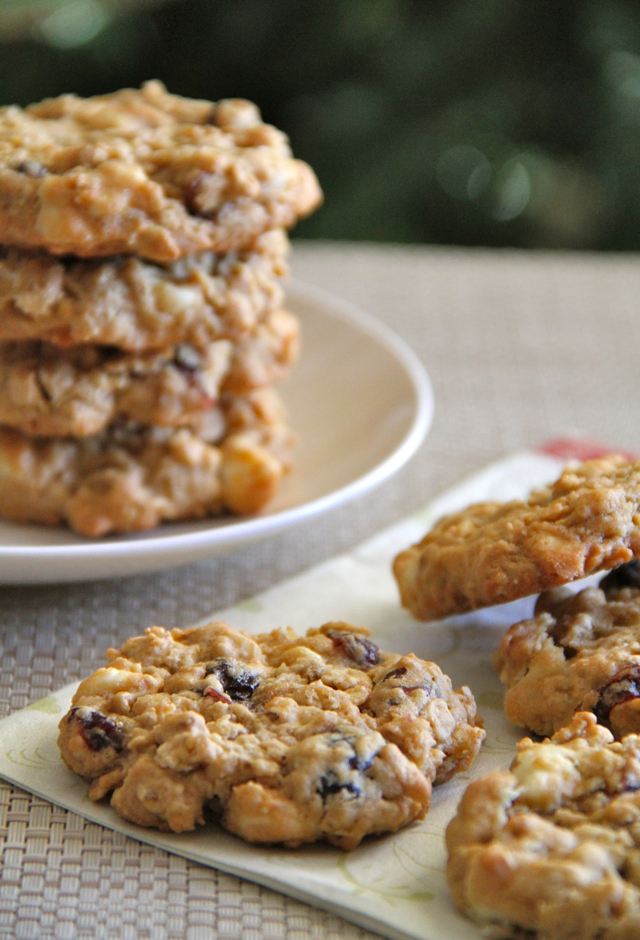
490,553
280,738
131,478
551,850
144,172
579,652
81,390
137,305
264,355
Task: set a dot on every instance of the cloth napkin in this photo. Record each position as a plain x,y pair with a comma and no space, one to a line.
393,885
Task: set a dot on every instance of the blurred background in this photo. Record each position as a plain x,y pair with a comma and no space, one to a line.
472,122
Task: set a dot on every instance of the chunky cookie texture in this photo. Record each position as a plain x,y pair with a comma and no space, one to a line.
137,305
80,391
45,390
132,477
278,737
144,172
580,652
490,553
551,850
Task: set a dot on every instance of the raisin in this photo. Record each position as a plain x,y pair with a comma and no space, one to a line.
623,687
358,648
627,575
355,763
237,683
97,730
396,673
329,785
108,353
212,810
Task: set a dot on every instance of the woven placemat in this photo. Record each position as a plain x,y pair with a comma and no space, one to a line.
520,348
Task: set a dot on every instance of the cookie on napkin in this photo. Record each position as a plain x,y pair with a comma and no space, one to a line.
551,850
282,739
579,652
588,520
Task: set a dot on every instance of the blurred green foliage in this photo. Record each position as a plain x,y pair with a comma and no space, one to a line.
476,122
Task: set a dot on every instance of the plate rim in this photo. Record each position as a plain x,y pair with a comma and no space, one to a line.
245,531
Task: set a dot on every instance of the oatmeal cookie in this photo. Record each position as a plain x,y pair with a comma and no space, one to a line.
281,738
144,172
81,390
490,553
551,850
264,355
132,477
579,652
137,305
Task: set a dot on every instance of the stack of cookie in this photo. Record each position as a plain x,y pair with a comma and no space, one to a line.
142,325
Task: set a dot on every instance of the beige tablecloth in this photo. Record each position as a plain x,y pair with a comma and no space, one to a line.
520,347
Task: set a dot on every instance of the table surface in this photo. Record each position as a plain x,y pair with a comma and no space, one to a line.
521,347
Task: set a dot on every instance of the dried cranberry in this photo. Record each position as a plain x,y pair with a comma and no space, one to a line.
397,674
210,692
358,648
237,683
623,687
97,730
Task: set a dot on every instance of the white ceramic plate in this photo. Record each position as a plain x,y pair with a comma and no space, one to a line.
361,403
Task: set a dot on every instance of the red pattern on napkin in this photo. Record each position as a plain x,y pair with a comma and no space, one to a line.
581,448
